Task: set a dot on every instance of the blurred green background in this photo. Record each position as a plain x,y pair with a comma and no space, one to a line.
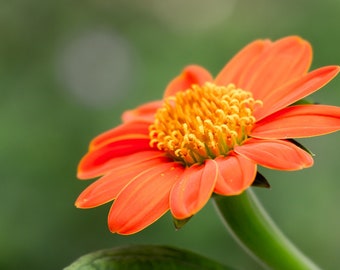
68,69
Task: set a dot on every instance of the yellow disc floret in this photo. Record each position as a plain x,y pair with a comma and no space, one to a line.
203,122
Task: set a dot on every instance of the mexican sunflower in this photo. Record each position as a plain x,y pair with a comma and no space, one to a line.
207,135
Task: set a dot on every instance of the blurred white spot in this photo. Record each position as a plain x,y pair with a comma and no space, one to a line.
96,67
193,15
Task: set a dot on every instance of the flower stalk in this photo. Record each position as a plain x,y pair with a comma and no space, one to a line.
255,231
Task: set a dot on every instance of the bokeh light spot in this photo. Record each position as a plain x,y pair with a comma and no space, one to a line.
96,67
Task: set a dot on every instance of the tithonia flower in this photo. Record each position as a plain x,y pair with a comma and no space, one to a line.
207,135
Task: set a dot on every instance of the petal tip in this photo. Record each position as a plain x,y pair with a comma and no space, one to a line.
192,74
79,203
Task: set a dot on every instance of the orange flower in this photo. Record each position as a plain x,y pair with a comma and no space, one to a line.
208,135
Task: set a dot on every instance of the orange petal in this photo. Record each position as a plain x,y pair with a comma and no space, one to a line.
194,189
298,122
145,112
234,70
294,91
275,154
100,161
190,75
237,172
107,187
144,200
121,132
285,60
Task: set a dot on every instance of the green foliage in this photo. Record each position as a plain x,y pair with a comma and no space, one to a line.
144,257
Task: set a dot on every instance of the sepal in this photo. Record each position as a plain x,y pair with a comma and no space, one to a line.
260,181
301,146
179,223
304,101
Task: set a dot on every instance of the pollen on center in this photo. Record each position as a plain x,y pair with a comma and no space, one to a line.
203,122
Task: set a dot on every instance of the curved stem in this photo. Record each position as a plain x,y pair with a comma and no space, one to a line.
255,231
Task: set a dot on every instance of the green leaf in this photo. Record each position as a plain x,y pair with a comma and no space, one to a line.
144,257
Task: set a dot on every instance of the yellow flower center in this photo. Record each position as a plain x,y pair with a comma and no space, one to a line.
203,122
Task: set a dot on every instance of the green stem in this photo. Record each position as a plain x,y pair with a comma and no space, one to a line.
255,231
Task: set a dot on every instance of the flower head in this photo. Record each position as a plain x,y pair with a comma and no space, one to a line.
208,135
